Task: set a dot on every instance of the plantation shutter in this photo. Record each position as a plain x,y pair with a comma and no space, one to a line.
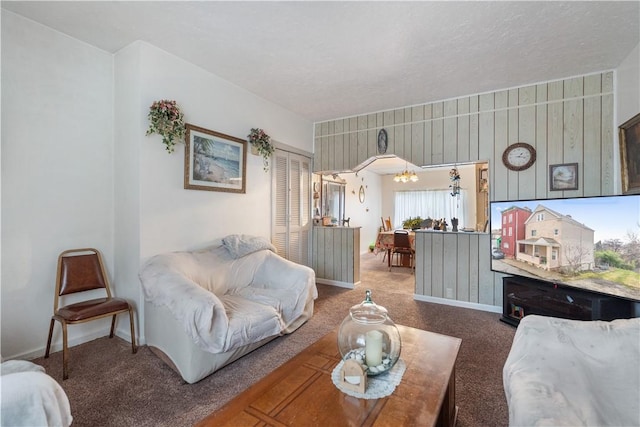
292,206
280,214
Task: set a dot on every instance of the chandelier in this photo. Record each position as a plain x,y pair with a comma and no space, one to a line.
406,176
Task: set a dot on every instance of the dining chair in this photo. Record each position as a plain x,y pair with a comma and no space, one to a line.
401,248
81,270
388,224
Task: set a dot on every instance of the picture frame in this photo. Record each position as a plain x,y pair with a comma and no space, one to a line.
629,136
214,161
563,177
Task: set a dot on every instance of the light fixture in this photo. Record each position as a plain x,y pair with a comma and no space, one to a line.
406,176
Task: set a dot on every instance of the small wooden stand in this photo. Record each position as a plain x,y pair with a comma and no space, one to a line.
353,377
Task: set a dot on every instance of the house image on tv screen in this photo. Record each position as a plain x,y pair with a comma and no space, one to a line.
513,229
552,241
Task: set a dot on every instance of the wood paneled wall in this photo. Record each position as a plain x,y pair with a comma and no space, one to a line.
567,121
336,255
456,266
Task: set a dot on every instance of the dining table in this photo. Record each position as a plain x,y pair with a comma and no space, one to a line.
384,242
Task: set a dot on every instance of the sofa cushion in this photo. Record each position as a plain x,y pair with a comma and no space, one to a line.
249,321
214,269
283,301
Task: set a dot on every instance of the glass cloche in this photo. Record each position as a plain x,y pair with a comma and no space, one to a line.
369,336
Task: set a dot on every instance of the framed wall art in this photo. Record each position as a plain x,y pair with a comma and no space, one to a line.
563,177
214,161
630,155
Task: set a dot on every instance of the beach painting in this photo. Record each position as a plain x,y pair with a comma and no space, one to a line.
214,161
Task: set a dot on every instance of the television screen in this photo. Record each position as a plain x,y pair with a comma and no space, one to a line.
587,242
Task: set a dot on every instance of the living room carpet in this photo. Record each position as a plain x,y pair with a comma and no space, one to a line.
109,386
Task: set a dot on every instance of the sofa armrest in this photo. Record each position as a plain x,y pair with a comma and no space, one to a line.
201,313
30,397
280,273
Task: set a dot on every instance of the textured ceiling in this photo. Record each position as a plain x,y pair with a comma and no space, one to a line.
325,60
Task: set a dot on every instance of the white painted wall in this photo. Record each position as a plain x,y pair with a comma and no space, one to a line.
365,215
57,173
129,119
172,218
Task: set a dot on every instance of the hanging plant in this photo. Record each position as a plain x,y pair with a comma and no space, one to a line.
166,119
261,143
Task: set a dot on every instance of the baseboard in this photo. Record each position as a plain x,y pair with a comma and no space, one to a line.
337,283
57,346
456,303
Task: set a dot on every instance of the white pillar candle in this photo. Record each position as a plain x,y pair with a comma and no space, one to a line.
373,348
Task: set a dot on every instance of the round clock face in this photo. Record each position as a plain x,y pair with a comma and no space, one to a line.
519,156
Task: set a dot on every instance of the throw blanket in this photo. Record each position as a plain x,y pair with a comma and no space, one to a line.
574,373
30,397
240,245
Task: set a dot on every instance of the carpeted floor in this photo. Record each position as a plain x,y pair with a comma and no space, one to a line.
108,386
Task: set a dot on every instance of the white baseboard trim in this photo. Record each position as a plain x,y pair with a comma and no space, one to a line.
57,346
337,283
456,303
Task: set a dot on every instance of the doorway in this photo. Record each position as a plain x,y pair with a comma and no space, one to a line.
375,275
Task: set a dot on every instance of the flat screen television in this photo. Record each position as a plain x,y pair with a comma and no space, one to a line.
591,243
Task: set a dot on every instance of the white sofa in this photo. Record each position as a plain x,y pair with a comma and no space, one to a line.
30,397
563,372
205,309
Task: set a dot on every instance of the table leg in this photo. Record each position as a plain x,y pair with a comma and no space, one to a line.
449,411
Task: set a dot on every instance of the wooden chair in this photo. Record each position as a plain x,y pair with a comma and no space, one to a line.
401,247
81,270
388,224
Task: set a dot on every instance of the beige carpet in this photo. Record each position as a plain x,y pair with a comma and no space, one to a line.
108,386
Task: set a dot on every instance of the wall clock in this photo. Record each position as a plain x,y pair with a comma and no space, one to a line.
382,141
519,156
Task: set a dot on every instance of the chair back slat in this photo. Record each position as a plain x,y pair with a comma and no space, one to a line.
80,273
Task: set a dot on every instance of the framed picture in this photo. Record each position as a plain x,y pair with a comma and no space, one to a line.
214,161
630,155
563,177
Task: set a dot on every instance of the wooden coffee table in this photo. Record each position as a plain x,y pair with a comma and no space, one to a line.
301,392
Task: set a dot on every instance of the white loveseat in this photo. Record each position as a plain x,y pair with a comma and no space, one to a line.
205,309
574,373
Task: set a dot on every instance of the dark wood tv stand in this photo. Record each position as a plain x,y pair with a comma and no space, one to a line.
523,296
